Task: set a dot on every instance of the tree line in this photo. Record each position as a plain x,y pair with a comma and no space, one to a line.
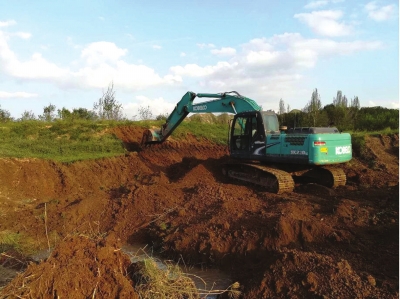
343,113
106,108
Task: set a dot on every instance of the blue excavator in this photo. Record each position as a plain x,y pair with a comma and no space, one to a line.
262,152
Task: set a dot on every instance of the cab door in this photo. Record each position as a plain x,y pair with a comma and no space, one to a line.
247,136
239,145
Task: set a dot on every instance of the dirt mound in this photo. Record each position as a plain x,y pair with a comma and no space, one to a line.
312,243
297,274
78,267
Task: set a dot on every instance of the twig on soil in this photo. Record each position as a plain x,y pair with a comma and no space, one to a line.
45,225
94,291
14,258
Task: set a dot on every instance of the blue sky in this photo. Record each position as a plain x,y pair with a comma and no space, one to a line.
67,53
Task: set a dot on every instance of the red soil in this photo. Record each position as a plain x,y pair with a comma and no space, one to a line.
312,243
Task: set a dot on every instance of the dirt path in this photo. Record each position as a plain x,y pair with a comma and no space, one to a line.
313,243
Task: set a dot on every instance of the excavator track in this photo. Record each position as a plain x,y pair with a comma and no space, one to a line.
338,176
328,176
273,180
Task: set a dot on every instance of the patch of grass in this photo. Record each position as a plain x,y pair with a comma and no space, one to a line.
358,143
10,240
63,141
152,281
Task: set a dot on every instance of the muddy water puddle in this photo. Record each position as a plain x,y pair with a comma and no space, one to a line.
207,280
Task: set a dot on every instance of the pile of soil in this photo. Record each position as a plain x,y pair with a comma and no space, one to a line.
79,267
312,243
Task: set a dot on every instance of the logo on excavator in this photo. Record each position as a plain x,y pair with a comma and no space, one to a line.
341,150
200,108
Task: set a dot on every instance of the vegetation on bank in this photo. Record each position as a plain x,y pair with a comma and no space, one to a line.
80,134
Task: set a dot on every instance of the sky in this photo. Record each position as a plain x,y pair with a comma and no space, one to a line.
66,53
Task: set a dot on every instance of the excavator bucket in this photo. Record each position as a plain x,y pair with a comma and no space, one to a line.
150,137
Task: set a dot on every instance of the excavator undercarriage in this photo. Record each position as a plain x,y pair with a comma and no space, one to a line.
283,181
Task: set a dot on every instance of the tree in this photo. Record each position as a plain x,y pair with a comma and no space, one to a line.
64,113
355,103
83,113
5,115
27,115
281,107
48,113
145,113
282,110
107,107
314,106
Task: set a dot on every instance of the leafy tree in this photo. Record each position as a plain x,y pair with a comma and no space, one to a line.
83,113
281,107
282,110
77,113
27,115
5,115
162,116
64,113
48,113
314,106
108,107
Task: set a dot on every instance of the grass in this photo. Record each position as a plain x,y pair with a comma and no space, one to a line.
69,141
59,140
10,240
152,281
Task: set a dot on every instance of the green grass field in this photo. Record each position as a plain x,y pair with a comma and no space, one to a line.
69,141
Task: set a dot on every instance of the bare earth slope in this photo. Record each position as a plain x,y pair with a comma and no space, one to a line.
313,243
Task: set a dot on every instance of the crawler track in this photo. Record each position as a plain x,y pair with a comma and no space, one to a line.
274,180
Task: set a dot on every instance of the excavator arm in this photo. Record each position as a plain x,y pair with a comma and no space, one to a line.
227,102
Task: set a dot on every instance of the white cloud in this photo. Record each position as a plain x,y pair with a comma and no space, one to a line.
394,105
316,4
23,35
157,47
202,46
156,106
101,63
224,51
16,95
268,68
380,13
193,70
325,22
7,23
101,52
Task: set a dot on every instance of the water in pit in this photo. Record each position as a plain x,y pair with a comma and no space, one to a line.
206,280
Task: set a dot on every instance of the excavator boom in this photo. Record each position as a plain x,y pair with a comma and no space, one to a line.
227,102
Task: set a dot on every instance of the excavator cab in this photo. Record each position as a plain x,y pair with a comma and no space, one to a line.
248,133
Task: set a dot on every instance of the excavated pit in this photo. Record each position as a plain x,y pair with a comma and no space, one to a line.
313,243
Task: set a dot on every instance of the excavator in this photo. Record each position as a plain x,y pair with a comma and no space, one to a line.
261,152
